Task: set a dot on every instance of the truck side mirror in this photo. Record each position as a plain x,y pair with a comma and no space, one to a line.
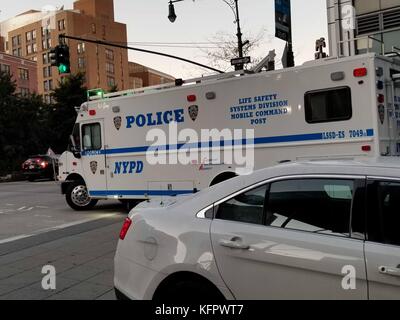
74,148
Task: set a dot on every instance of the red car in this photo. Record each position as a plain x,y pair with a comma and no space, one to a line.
40,166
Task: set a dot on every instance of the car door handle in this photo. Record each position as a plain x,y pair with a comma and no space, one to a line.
390,271
234,244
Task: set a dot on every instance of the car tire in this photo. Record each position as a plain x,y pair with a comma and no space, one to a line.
78,198
31,179
191,291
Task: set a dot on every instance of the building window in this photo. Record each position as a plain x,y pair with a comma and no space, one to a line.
24,92
61,25
109,54
47,72
34,48
110,81
93,28
28,36
45,32
14,41
104,31
23,74
19,39
81,48
81,63
5,68
47,99
46,85
33,34
19,52
110,68
15,52
28,49
44,45
45,58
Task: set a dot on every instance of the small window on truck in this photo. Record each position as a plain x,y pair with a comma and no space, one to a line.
91,136
328,105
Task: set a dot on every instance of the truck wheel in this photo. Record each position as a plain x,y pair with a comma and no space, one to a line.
78,198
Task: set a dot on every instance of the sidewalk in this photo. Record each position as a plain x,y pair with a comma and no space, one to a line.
83,261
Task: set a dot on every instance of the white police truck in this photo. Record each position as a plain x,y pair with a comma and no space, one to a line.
336,108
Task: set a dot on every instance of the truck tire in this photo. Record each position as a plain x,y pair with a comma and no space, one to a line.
78,198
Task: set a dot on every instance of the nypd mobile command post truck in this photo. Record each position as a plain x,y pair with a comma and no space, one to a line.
329,108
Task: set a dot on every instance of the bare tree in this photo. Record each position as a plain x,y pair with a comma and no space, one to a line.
225,47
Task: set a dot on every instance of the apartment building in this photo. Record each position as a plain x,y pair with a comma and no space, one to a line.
32,34
359,26
23,72
142,76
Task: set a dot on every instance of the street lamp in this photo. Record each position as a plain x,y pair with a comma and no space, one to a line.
172,15
233,4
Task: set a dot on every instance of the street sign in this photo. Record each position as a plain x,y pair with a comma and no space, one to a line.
240,61
283,20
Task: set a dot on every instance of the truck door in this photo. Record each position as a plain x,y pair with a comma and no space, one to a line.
93,157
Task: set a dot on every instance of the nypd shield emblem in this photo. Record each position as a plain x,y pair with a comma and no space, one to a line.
381,111
117,122
93,166
193,112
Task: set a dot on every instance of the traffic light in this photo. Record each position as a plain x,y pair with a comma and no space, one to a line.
59,57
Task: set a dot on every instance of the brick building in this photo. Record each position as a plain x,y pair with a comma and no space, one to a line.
23,71
32,34
142,76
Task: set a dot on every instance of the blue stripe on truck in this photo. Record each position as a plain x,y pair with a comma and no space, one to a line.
204,145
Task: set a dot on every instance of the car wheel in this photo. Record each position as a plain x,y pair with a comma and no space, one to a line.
190,291
78,197
31,179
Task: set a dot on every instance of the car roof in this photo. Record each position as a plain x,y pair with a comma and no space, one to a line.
382,166
377,167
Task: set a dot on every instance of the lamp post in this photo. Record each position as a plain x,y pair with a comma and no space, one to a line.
233,4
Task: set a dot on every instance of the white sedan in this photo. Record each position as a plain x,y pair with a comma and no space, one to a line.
309,230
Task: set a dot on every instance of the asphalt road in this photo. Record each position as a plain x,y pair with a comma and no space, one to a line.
31,208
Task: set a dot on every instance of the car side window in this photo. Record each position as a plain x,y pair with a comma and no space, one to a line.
314,205
91,136
384,212
247,207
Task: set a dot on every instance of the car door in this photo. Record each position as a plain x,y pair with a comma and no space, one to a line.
93,157
292,239
382,249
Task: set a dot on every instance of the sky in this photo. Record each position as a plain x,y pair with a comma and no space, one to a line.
197,23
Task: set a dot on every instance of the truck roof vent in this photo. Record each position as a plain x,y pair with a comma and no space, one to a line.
368,24
391,19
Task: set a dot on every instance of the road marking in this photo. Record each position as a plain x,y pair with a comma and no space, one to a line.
63,226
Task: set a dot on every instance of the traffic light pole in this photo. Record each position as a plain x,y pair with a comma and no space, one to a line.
62,37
